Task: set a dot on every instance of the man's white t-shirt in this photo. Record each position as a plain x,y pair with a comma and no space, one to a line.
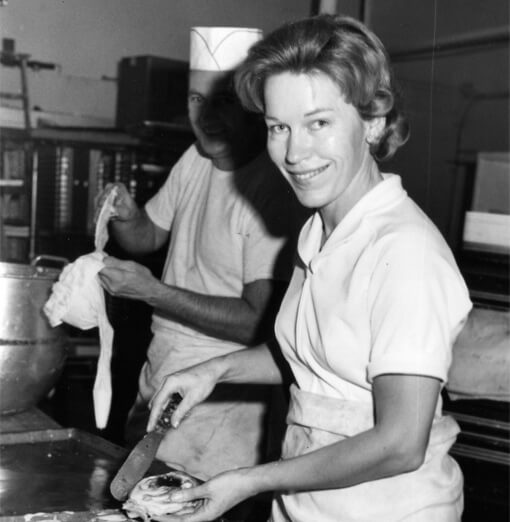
228,228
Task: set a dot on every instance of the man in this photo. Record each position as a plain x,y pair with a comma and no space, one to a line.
230,218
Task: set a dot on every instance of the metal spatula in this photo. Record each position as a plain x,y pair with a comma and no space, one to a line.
142,455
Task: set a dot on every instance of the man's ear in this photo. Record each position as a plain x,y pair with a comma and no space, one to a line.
374,129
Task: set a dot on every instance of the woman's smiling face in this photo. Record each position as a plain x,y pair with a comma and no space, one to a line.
318,141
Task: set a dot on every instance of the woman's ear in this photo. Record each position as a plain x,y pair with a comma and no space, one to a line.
374,129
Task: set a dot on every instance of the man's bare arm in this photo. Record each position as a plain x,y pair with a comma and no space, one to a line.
247,319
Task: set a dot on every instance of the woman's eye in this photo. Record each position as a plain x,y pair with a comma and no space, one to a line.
318,124
277,129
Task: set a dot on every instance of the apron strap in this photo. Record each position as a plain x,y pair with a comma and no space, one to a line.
343,417
348,418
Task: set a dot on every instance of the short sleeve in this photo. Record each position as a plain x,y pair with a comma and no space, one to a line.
162,206
418,304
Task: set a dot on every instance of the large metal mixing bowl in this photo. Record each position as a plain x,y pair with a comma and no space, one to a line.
32,353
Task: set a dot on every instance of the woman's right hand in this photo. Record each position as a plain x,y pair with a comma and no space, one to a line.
217,495
194,384
124,205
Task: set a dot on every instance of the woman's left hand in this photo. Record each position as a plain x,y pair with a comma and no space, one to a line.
218,495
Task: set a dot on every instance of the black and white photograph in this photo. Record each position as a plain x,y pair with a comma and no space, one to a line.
254,261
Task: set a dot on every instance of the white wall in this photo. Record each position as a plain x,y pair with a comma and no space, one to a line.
87,38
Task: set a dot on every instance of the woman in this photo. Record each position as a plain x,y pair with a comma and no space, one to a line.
374,305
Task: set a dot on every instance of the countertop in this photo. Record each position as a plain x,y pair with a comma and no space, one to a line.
48,472
30,420
54,474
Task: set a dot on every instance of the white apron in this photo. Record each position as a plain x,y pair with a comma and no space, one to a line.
433,493
225,432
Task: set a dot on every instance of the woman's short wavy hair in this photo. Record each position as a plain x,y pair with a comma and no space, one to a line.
348,53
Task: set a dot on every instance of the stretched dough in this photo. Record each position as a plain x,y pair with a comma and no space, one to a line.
77,299
106,212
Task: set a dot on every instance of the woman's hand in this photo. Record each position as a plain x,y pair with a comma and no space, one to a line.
124,205
194,384
218,495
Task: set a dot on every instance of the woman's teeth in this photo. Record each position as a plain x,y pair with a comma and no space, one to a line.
304,176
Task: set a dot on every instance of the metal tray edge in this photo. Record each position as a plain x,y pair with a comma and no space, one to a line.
33,437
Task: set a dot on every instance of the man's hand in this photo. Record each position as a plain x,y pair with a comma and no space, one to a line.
130,225
126,279
124,205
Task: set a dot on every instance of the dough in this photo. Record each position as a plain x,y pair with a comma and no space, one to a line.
77,299
106,212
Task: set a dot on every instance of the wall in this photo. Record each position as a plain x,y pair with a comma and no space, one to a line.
87,38
447,127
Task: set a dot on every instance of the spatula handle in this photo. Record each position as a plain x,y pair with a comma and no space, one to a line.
163,422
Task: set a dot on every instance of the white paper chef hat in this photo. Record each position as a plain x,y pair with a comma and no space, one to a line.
220,48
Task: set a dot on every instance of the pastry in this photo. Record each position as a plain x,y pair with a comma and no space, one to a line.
149,499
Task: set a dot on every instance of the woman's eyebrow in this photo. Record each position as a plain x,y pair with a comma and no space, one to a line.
313,112
318,110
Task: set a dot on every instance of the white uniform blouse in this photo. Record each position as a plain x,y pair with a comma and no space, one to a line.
383,295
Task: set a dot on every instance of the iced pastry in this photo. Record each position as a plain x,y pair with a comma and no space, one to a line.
149,499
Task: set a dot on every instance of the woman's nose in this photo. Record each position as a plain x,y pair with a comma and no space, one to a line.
298,148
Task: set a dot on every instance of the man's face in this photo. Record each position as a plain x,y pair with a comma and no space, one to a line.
217,118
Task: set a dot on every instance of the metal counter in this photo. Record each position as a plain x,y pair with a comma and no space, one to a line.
56,470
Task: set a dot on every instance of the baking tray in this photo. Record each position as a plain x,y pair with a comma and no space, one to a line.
64,475
104,515
56,470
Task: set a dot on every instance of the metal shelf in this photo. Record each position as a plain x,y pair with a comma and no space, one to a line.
12,183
